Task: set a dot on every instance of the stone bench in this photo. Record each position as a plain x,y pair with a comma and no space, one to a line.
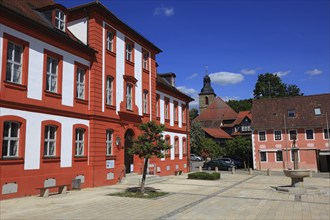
178,172
44,191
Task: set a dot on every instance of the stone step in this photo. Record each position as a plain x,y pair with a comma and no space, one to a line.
136,179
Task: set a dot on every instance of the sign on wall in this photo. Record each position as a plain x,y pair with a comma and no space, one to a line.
110,164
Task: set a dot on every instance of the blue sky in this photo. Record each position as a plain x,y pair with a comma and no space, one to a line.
236,40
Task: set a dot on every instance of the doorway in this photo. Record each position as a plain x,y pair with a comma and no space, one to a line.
129,161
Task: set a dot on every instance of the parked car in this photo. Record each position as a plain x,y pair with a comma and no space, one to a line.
220,163
194,157
237,161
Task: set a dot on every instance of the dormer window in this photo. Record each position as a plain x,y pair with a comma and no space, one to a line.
60,20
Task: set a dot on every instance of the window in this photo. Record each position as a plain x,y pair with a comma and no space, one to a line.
279,156
109,90
167,102
109,141
292,155
50,141
129,96
184,147
79,143
206,100
293,135
183,114
110,37
14,63
176,146
80,83
167,142
157,105
51,74
262,135
317,111
245,128
291,113
60,20
309,134
10,139
175,113
145,60
278,135
129,49
326,133
263,156
145,102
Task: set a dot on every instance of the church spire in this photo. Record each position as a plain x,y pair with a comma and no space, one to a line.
207,95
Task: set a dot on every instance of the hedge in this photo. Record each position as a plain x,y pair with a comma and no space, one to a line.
204,176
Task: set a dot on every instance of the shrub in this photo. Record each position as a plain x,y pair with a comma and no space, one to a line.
204,176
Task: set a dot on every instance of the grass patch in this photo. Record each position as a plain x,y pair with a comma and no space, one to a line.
204,176
134,192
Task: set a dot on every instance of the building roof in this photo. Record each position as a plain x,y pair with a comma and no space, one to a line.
216,112
241,116
217,133
207,88
273,113
166,85
111,15
28,10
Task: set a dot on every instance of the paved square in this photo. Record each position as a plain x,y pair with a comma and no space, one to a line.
234,196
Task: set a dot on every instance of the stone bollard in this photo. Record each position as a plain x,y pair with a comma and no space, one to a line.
233,170
310,173
269,172
216,169
250,171
200,169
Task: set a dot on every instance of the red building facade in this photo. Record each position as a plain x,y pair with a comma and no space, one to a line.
75,85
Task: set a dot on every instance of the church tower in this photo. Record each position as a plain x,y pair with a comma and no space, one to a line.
207,94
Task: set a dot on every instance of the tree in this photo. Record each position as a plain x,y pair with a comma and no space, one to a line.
239,146
150,143
270,86
240,105
193,113
196,136
209,148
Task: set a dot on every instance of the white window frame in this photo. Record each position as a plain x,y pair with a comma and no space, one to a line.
275,135
60,20
129,49
80,90
259,136
110,37
145,102
290,135
109,86
79,142
12,75
278,161
48,141
11,139
145,58
290,112
109,142
266,156
51,74
312,134
317,111
129,97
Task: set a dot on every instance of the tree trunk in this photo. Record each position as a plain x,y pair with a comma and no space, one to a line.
144,174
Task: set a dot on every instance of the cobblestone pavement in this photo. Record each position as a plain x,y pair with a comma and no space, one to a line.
234,196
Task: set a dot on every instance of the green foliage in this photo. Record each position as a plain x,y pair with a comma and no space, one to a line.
196,136
204,176
239,146
270,85
209,148
193,113
150,142
240,105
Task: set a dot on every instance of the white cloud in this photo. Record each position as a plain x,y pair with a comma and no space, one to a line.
193,94
248,71
166,11
227,98
282,73
314,72
192,76
226,78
